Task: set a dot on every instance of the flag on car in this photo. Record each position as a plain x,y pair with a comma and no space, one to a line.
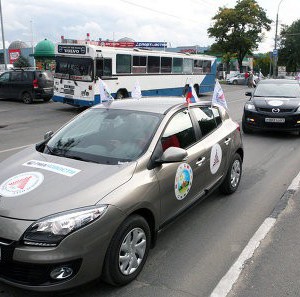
218,96
136,92
191,96
105,95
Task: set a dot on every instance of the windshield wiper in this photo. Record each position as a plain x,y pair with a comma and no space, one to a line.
78,158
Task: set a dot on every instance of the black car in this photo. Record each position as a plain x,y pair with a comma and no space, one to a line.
26,85
274,105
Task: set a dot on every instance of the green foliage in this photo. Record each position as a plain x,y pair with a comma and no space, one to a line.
289,51
22,62
262,63
238,30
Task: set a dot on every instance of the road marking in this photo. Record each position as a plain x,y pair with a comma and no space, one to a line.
14,148
230,278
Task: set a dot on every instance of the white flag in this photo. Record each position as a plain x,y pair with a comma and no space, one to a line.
218,96
105,95
136,92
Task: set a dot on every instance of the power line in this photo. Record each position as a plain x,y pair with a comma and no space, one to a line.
150,9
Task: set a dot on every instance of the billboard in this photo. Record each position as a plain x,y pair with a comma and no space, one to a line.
14,55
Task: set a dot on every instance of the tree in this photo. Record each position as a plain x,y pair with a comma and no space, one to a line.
238,30
263,63
22,62
289,54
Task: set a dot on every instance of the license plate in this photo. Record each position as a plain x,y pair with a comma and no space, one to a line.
275,120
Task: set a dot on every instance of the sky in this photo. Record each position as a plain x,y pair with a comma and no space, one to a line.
179,23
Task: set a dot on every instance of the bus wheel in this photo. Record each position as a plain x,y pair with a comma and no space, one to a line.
120,95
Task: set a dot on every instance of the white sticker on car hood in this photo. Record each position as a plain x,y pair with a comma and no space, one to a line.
54,167
21,184
275,102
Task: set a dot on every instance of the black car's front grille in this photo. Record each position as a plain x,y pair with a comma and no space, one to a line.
28,273
280,110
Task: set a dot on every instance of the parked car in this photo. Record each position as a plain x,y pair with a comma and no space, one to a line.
274,105
89,200
26,85
239,79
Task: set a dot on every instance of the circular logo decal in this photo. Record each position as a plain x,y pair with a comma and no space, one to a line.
21,184
215,158
275,102
183,180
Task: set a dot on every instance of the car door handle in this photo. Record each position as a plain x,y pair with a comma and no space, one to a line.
200,161
227,141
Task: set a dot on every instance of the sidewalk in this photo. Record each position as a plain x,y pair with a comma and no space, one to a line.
274,269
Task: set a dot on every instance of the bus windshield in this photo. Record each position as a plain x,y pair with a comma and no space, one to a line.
74,68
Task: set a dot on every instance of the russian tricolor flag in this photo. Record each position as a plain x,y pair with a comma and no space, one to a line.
191,96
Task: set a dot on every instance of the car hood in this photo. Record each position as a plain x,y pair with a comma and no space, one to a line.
276,102
34,185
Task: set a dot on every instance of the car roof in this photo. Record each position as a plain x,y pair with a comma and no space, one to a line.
278,81
151,104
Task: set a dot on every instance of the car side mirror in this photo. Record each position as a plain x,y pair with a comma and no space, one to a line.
48,135
173,155
248,93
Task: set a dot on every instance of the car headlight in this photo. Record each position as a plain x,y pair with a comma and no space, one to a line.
50,231
250,106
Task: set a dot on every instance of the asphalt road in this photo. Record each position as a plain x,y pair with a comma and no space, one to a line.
194,252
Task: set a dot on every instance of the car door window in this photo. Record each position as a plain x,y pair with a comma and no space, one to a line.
16,76
208,118
4,77
179,132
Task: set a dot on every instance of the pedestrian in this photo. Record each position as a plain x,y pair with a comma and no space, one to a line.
246,77
251,80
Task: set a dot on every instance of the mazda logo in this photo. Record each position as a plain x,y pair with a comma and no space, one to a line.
275,110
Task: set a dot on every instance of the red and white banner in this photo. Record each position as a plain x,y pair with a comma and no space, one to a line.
14,55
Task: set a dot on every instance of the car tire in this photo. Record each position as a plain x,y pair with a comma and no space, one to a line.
47,99
245,129
233,176
234,82
27,98
129,246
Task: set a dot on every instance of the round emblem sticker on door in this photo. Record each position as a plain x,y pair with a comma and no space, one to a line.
21,184
183,180
215,158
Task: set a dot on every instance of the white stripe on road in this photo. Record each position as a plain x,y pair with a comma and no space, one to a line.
14,148
295,185
229,279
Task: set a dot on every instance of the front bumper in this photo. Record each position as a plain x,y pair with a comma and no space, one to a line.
29,267
269,121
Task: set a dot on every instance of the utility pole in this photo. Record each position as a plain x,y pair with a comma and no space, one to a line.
3,39
275,51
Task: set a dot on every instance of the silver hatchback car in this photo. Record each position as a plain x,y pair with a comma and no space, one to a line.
89,201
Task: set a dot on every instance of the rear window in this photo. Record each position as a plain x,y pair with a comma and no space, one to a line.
44,75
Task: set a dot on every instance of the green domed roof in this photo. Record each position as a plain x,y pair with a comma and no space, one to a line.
44,48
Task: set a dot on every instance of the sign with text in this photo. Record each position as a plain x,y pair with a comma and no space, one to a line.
72,49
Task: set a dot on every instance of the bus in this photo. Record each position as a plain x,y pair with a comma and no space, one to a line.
158,73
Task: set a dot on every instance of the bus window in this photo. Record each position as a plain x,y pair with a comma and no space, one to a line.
187,66
153,64
198,67
177,65
103,69
107,70
206,66
139,64
166,65
123,63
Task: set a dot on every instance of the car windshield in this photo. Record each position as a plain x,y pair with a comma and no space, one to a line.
106,136
278,90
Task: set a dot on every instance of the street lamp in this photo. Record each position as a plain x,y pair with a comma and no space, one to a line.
275,53
3,39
